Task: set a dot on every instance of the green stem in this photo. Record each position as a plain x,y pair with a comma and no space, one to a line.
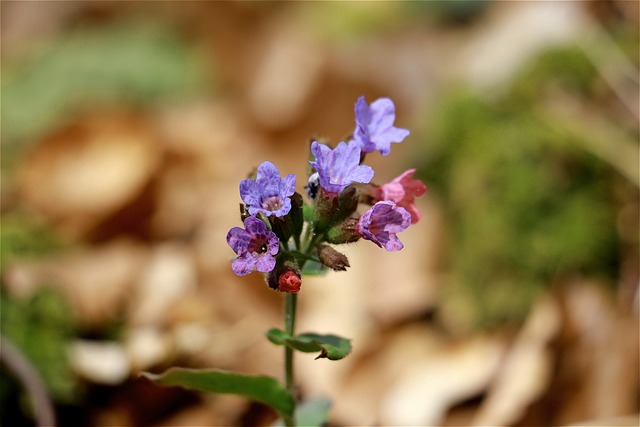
289,326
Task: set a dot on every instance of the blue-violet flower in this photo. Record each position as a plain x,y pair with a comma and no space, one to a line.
381,223
268,193
374,126
339,167
255,246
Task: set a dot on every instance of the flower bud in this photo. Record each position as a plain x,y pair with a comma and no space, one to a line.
326,206
285,277
345,232
347,204
332,258
289,282
332,208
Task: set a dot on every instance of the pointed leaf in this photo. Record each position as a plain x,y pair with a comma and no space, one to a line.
259,388
331,347
277,336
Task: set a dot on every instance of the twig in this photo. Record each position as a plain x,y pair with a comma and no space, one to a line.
24,371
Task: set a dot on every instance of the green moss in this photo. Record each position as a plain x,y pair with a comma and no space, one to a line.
525,204
40,326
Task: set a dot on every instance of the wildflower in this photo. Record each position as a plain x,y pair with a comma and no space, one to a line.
374,126
339,167
381,223
255,246
268,194
402,191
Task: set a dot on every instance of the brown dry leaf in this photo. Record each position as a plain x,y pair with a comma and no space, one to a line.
598,373
166,279
286,76
526,369
411,377
97,282
87,171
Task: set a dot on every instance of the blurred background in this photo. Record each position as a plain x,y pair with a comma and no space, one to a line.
127,127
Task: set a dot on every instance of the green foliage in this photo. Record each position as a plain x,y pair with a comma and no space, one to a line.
525,203
22,237
564,67
310,413
331,347
40,327
259,388
135,62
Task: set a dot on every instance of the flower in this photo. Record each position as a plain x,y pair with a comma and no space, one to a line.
268,193
289,282
374,126
381,223
255,246
339,167
402,191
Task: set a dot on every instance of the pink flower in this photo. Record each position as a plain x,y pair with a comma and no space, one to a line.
402,191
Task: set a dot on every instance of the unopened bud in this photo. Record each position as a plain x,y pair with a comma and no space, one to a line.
285,277
326,206
290,282
345,232
332,258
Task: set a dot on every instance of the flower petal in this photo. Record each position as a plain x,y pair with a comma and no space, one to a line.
254,226
265,263
244,264
238,239
250,192
288,185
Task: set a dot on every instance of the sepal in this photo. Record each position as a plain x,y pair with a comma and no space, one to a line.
345,232
244,213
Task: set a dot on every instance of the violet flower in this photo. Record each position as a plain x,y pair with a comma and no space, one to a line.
374,126
268,194
381,223
339,167
255,246
402,191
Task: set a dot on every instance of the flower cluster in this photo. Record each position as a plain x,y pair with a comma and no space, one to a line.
282,233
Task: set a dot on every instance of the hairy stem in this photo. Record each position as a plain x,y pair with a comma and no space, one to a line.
289,326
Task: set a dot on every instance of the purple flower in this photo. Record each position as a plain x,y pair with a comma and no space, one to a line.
255,246
339,167
268,193
374,126
381,223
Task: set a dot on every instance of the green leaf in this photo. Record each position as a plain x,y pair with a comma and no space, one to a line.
310,413
331,347
259,388
312,268
277,336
